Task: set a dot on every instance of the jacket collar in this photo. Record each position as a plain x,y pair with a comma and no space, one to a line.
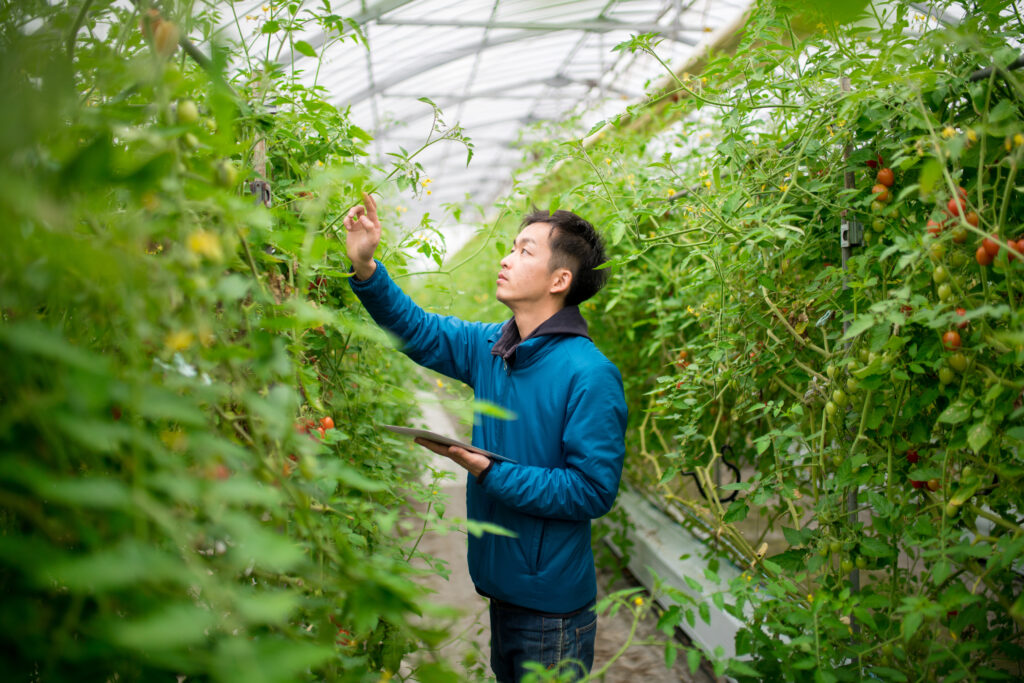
567,321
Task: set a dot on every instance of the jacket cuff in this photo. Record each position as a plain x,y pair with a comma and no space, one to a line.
483,475
370,281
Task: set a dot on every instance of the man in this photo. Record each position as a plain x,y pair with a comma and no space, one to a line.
567,436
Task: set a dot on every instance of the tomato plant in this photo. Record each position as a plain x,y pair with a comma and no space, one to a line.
165,509
724,204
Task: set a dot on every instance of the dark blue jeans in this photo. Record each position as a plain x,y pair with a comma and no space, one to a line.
520,635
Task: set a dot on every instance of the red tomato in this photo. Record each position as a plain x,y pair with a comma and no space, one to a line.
916,484
327,422
881,193
956,205
991,245
1016,249
912,456
321,432
934,228
972,218
962,312
951,339
983,257
885,177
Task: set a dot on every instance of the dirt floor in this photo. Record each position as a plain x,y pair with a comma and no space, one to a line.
469,649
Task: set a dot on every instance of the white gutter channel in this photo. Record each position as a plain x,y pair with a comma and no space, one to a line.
661,546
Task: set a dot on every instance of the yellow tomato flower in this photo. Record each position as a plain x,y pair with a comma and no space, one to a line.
971,135
638,601
1018,139
948,132
178,340
205,243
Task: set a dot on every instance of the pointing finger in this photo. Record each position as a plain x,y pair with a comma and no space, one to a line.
371,206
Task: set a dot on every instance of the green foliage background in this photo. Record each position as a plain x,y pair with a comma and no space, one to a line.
163,510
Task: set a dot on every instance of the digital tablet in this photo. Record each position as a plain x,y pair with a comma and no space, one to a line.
446,440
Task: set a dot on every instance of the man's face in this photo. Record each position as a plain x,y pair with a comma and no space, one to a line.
525,276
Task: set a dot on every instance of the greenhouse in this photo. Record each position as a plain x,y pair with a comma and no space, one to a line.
516,341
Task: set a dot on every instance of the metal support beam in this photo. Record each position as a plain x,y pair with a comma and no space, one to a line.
372,13
439,59
587,25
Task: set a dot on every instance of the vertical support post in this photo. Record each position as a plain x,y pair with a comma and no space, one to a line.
852,234
260,188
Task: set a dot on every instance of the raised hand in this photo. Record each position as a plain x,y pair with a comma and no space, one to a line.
363,235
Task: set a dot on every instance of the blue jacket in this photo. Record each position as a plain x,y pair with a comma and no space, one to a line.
567,438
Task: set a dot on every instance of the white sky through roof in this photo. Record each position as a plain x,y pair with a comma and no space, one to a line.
494,67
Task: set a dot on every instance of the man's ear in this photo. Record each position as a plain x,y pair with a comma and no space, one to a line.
561,280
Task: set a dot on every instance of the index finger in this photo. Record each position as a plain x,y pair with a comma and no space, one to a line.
371,206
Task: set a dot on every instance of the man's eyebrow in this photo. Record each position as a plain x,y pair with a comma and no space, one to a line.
523,240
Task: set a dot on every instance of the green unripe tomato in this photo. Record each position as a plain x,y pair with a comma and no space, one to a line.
226,174
958,362
958,258
846,566
945,292
877,207
878,225
839,397
864,355
852,384
834,546
831,371
945,375
862,562
190,140
831,409
940,274
187,113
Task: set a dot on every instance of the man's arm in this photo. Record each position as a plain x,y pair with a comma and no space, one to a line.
442,343
594,441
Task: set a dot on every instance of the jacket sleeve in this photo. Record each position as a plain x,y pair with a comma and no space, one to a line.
594,444
442,343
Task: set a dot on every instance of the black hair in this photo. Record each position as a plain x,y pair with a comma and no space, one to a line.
575,245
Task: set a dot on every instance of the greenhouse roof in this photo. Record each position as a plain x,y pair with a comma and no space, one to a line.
493,66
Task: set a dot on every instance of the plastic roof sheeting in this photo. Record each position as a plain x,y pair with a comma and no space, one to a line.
494,67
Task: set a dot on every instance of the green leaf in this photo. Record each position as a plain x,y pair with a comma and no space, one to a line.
128,564
302,47
941,571
693,659
955,413
171,626
911,623
930,174
875,547
741,668
737,510
267,607
268,659
979,435
478,529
